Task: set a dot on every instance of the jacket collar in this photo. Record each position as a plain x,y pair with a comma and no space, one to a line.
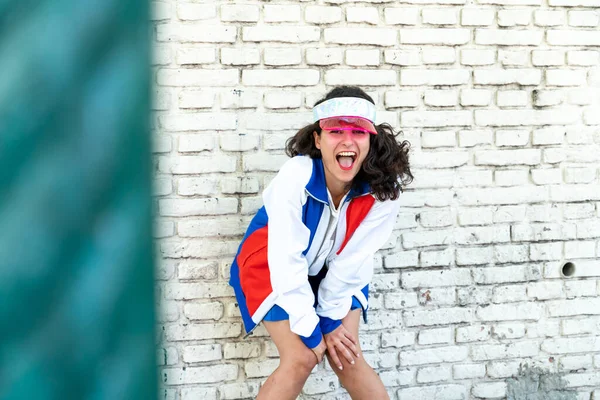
317,186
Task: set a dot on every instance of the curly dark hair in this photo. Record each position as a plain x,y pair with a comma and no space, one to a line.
386,168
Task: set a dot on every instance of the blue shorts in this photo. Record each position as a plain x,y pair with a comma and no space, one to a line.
277,313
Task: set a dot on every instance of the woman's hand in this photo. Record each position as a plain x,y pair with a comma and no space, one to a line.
340,342
320,351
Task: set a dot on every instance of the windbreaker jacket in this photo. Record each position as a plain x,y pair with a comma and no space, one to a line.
279,251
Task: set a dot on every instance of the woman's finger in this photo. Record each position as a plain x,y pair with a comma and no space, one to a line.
349,336
334,357
345,352
351,346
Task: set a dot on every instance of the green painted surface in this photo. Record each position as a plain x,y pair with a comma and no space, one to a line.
76,267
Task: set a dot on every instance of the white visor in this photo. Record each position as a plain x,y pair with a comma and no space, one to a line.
344,107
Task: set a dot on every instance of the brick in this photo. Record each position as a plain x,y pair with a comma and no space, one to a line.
195,270
440,98
239,142
571,345
439,16
398,339
438,139
474,295
401,15
196,55
196,99
281,13
438,296
233,391
323,56
434,119
543,213
405,98
429,279
578,211
322,14
198,164
583,58
573,363
362,57
372,36
563,77
401,259
196,33
514,17
570,193
433,392
512,2
477,16
468,371
551,135
507,76
471,138
402,57
196,143
279,56
509,350
398,301
511,58
546,251
241,350
503,369
191,375
511,177
477,57
246,56
509,293
489,389
270,77
239,13
439,55
202,353
560,37
359,77
439,258
508,157
202,311
197,77
508,331
195,12
583,18
509,312
475,216
476,333
547,57
281,33
369,15
526,117
549,17
508,37
440,316
521,273
434,374
512,98
239,99
580,249
438,36
578,326
433,356
198,393
435,336
474,256
283,99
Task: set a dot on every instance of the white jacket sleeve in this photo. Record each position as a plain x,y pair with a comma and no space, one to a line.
352,269
288,237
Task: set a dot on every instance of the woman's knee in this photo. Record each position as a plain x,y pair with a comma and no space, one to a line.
299,363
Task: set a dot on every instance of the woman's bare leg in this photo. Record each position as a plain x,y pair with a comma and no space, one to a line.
296,363
361,382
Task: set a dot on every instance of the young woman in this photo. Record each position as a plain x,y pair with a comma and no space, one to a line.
305,263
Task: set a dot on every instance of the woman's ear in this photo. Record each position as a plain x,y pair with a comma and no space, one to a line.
317,140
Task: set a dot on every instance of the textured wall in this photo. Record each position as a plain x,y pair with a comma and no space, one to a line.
500,99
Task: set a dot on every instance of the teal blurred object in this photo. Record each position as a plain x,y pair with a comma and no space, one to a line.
76,264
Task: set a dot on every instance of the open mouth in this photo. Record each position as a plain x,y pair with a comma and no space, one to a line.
346,159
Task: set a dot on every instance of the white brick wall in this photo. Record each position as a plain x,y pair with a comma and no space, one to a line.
499,99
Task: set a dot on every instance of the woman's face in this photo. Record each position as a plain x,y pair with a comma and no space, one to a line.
343,152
